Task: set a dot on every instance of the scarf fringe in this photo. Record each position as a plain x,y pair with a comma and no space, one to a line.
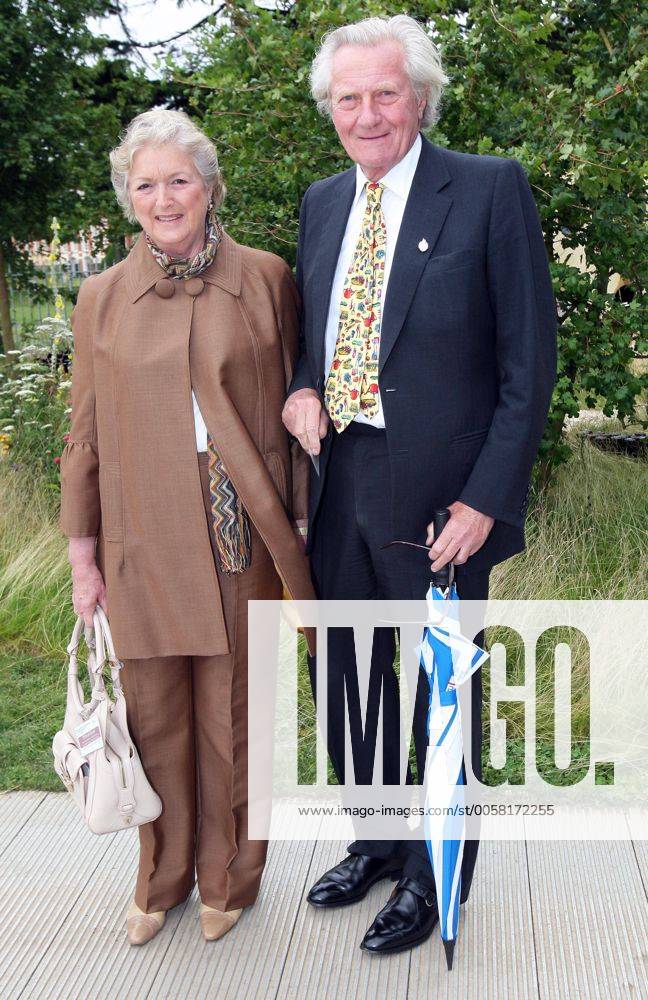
230,519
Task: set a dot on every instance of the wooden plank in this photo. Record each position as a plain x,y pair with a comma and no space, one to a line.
15,810
325,961
494,956
544,919
249,960
637,820
42,874
590,919
640,848
90,953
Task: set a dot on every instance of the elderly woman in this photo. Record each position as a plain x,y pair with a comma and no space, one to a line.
179,495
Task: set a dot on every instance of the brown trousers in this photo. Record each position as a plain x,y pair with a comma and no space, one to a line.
188,718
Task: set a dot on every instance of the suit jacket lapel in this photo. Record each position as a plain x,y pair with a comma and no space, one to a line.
425,213
334,214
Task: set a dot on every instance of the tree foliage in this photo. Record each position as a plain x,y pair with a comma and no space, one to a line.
561,86
65,96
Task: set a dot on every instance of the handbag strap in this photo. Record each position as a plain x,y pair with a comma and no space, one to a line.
105,643
73,645
99,643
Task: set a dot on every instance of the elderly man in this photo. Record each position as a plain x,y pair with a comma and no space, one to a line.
427,365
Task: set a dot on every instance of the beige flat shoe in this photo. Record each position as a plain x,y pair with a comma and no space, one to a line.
216,923
140,926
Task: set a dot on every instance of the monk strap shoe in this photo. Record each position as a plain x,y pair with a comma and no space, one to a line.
407,919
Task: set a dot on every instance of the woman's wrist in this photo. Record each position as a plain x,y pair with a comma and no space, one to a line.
81,553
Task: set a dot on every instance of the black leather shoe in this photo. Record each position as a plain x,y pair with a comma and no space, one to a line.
406,920
352,879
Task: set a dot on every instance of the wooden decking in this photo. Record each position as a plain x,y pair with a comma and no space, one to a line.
544,920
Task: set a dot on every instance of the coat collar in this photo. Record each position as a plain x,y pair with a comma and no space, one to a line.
143,271
425,213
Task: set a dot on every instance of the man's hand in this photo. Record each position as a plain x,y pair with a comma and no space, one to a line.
463,535
306,419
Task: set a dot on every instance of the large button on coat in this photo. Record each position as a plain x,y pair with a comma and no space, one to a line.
129,473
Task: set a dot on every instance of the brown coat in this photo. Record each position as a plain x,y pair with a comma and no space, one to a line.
129,473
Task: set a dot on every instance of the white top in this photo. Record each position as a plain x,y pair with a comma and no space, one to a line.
201,428
397,183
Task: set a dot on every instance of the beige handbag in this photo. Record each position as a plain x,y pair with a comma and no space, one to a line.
94,755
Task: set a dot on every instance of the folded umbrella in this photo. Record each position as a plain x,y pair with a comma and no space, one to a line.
448,659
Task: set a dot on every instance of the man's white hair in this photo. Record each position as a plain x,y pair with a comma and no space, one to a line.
160,127
422,59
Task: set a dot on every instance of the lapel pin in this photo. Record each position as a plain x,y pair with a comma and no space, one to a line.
423,245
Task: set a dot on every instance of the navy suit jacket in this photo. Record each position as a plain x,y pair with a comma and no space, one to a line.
468,340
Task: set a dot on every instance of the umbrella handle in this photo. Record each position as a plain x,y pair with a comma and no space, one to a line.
442,578
445,576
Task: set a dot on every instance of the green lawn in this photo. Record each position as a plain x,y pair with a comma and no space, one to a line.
32,703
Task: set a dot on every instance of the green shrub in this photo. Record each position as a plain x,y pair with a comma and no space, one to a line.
34,401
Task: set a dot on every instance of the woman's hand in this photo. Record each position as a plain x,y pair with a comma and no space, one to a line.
88,590
88,587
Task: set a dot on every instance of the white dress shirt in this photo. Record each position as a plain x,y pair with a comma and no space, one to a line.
201,428
397,183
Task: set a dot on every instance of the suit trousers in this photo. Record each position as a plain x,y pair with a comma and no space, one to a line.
188,718
352,524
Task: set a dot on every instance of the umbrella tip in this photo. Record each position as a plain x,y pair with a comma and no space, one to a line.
448,947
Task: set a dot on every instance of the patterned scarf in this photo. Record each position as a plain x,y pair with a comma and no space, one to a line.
189,267
230,521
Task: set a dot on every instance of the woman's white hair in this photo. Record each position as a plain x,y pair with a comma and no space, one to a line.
422,59
158,128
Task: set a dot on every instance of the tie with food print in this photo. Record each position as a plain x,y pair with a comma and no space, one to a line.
352,384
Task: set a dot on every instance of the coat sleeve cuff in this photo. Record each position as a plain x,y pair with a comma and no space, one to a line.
80,514
490,506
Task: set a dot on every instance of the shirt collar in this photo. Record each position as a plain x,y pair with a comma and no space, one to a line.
399,178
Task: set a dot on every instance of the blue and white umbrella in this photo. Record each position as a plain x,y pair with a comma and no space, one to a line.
448,659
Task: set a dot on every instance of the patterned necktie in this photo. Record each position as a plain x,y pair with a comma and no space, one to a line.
352,384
